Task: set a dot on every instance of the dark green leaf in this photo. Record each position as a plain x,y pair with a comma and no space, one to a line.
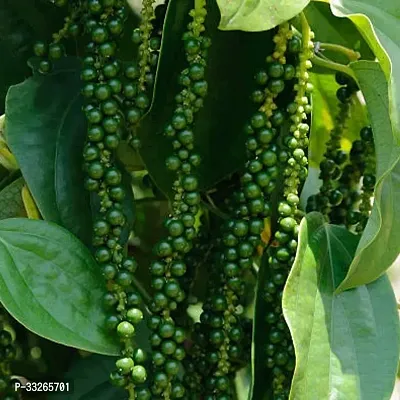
379,244
324,113
127,50
149,213
21,24
219,124
346,344
259,15
9,178
90,379
379,23
11,204
50,283
3,174
129,157
45,129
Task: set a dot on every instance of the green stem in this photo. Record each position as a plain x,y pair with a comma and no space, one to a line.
143,292
199,4
131,392
332,65
7,159
305,29
215,210
350,54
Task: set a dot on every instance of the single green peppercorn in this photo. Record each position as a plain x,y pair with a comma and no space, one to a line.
125,329
117,379
56,51
124,365
275,70
139,374
134,315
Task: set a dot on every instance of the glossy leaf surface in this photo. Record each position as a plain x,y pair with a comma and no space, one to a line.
379,23
379,245
346,344
21,23
257,15
50,283
45,130
90,377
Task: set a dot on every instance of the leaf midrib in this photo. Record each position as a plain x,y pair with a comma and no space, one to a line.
6,246
328,254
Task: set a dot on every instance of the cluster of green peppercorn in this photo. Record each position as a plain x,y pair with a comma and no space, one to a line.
219,339
117,96
169,269
339,197
329,196
282,249
356,205
105,78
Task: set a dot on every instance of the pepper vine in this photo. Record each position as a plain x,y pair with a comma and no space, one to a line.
190,308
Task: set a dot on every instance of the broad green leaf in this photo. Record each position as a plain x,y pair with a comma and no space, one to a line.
346,344
341,31
90,379
50,283
257,15
45,130
325,110
11,204
21,23
379,245
379,23
218,129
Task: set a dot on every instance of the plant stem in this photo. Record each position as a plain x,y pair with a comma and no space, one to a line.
7,159
215,210
29,204
305,29
199,4
143,292
131,392
332,65
350,54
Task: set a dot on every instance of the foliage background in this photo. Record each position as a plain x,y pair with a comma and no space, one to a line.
394,273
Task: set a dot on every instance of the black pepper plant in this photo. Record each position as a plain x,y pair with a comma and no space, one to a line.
199,199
